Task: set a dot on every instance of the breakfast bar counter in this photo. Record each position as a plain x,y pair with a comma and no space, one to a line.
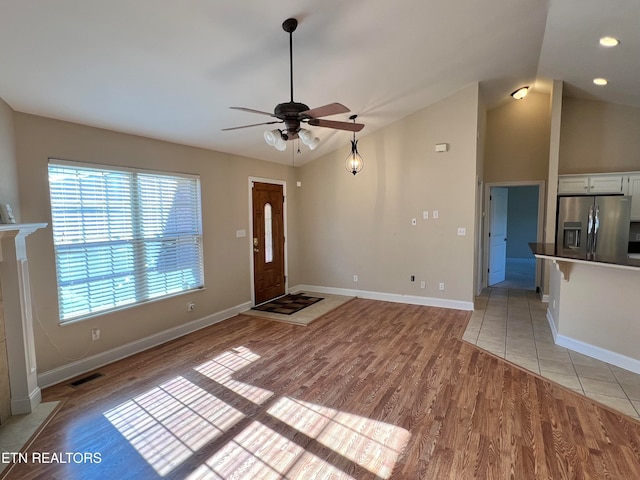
594,304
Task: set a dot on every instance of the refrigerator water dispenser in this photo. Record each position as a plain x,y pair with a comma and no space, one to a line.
571,235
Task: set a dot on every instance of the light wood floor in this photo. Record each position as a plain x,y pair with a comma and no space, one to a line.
372,390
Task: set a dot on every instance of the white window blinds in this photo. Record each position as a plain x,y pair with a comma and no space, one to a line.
123,237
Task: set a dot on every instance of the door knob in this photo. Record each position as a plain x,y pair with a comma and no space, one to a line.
256,250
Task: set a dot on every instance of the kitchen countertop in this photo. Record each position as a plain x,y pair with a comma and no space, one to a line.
549,250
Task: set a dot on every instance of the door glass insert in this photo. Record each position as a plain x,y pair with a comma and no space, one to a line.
268,235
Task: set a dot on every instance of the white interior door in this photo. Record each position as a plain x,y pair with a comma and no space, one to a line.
499,198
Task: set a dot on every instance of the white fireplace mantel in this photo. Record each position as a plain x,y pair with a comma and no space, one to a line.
18,316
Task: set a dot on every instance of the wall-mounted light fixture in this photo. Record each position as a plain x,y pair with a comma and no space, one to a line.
520,93
354,162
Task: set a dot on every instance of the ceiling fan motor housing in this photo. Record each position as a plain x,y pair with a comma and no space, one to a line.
290,113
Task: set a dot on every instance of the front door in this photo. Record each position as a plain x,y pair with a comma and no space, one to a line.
499,198
268,241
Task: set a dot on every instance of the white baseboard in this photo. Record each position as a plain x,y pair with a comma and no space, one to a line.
387,297
552,325
79,367
599,353
593,351
28,404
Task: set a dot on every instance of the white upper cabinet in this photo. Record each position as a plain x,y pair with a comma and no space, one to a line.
634,191
590,184
573,184
605,184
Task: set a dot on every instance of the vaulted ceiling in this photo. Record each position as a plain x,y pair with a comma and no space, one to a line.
170,70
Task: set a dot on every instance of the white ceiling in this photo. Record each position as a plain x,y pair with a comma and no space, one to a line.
169,70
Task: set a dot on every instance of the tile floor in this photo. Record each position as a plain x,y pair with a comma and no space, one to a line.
513,325
18,430
520,273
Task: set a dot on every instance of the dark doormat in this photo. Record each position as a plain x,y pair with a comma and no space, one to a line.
288,304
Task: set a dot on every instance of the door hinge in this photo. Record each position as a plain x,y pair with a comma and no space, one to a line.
490,198
489,233
488,270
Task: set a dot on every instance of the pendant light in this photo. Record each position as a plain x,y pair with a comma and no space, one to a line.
354,162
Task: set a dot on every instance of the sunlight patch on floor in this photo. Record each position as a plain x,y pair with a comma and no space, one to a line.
169,423
260,452
222,368
373,445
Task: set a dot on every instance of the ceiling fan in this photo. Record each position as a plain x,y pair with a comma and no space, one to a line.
294,114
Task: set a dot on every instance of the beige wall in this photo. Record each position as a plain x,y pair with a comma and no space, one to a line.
599,137
224,184
598,315
8,168
362,225
338,225
8,194
517,143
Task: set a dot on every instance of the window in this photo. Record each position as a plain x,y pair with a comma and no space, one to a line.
268,235
123,236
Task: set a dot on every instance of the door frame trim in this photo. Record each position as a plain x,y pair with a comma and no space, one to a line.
487,222
272,181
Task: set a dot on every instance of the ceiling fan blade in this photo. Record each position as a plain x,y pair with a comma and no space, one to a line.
251,110
351,127
326,110
252,125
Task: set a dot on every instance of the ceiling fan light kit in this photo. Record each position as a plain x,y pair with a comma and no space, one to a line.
308,139
274,139
294,114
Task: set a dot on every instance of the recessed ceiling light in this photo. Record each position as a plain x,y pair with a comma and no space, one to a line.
520,93
600,81
609,42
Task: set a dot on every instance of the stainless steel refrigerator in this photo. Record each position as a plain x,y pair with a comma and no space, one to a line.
597,225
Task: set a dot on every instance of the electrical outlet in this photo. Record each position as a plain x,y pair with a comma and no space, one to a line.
441,286
423,284
425,215
95,334
191,306
462,231
435,214
355,278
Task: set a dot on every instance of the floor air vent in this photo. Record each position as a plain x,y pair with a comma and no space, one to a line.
86,379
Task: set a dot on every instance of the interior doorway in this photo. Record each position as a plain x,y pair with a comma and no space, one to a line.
268,241
514,218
